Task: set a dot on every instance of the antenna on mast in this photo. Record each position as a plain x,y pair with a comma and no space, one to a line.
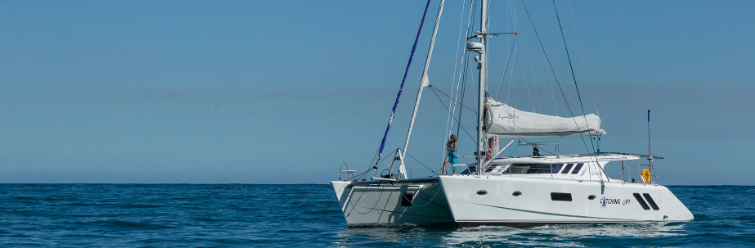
650,156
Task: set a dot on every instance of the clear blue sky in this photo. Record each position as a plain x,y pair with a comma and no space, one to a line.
283,91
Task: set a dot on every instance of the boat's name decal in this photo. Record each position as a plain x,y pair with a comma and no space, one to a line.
608,201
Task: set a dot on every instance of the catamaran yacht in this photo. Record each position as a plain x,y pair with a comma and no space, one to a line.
493,190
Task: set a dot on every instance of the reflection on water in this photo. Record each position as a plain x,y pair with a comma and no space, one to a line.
546,235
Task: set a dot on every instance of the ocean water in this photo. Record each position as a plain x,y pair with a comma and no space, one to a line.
186,215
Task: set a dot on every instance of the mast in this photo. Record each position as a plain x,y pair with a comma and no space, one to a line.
425,82
481,102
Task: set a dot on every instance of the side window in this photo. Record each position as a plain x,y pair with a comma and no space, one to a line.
566,170
556,168
560,196
535,168
517,169
577,168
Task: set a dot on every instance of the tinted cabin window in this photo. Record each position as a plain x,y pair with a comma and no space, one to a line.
641,201
651,201
490,168
537,168
517,169
533,169
566,170
577,168
406,199
556,168
561,196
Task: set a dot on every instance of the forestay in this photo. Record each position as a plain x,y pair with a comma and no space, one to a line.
510,123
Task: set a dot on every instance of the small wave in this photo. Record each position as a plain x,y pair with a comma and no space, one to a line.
134,225
323,212
24,198
298,231
703,217
143,206
83,204
206,219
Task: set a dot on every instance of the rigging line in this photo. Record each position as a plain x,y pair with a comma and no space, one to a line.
508,39
487,18
511,83
432,87
516,27
373,160
459,82
428,168
550,81
574,22
457,121
364,174
555,9
406,72
513,16
536,76
525,82
463,94
463,83
487,45
553,71
466,66
505,67
574,77
463,70
560,85
453,79
474,93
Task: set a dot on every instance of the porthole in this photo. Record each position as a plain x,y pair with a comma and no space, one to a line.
591,197
517,193
482,192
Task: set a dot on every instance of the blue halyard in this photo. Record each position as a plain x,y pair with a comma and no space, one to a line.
393,112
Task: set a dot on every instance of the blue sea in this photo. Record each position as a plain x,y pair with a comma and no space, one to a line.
190,215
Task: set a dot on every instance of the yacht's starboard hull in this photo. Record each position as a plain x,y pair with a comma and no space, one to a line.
504,200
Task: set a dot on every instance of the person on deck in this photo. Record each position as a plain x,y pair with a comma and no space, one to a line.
535,151
451,157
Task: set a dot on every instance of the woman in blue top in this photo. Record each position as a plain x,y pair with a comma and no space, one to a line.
451,148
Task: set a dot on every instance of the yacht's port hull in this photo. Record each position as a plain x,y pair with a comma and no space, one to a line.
535,204
381,203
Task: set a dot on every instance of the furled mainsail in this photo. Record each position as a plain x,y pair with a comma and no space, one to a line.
510,123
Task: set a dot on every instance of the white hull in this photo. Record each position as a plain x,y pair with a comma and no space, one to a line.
380,203
535,205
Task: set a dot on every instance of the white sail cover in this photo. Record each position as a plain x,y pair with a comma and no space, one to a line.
511,123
